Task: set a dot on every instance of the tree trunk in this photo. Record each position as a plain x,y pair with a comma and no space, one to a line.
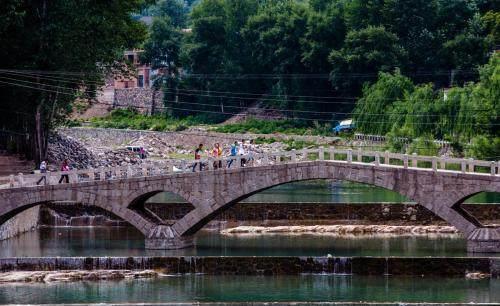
39,134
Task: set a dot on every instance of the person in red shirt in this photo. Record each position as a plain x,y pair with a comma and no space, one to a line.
64,168
197,156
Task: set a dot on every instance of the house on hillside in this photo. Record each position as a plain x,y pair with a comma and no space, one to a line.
143,72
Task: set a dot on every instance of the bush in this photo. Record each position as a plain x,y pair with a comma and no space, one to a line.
484,147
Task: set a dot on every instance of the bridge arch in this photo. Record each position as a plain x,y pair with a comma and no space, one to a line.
422,187
25,201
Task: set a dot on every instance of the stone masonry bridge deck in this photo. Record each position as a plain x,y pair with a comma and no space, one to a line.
439,184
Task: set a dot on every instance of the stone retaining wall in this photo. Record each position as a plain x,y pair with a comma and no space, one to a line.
435,266
187,139
369,213
71,214
23,222
140,99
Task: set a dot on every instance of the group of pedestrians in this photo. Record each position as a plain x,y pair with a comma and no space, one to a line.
44,168
217,152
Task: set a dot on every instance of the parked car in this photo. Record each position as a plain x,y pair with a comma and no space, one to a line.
141,153
344,126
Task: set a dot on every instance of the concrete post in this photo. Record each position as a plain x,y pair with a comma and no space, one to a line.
360,155
210,164
349,156
471,165
21,179
183,165
294,156
463,166
442,162
493,168
434,163
377,159
265,159
332,153
12,180
386,158
405,161
414,162
321,153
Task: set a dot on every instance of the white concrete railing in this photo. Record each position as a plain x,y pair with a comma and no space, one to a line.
375,158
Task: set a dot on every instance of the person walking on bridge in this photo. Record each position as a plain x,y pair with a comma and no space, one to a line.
43,171
197,156
64,168
234,152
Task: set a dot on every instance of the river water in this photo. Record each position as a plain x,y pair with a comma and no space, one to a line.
127,241
204,288
328,191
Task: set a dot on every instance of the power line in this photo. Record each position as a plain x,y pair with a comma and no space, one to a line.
227,113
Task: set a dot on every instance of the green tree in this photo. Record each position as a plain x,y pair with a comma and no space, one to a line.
83,39
162,51
373,110
364,54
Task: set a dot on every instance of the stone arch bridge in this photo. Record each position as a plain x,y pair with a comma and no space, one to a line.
440,185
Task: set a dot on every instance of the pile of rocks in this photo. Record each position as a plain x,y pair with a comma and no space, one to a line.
81,156
62,147
72,276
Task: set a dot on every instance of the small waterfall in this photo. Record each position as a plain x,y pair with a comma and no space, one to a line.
386,270
342,266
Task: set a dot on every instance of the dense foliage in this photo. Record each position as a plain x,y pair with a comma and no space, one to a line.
312,58
465,114
53,52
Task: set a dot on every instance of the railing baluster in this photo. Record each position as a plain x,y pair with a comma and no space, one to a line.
463,166
377,159
471,165
414,162
386,158
493,168
332,153
321,153
360,155
434,163
349,156
405,161
20,178
294,156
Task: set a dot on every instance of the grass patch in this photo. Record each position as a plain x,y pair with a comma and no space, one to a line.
290,127
131,119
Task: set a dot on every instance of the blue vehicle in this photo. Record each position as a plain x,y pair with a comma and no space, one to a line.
344,126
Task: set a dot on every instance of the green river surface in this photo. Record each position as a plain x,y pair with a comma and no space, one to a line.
204,288
127,241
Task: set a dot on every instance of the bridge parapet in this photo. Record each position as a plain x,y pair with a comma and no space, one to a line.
172,166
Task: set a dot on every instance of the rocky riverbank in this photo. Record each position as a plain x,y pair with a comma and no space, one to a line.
73,276
342,230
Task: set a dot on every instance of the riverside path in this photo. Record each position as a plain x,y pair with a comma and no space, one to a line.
439,184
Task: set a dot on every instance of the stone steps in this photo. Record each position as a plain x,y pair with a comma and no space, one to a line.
14,164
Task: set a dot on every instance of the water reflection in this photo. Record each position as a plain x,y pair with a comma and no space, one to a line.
203,288
129,242
328,191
